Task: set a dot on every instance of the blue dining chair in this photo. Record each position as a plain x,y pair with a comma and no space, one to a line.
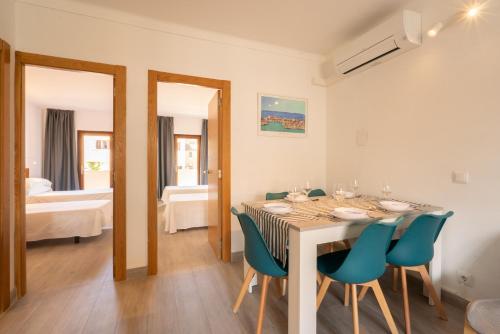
260,260
274,196
316,193
412,252
361,265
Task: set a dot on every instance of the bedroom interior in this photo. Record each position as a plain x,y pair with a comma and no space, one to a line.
182,165
349,148
53,213
69,202
187,137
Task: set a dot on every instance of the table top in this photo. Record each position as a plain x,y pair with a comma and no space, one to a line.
315,213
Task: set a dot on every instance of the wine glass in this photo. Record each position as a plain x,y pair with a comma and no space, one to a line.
386,190
339,192
307,188
355,187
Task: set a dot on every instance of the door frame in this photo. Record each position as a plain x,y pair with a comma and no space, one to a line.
155,77
4,176
176,149
119,127
79,145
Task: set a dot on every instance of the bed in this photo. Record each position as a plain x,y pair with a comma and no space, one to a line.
171,190
183,211
70,195
54,220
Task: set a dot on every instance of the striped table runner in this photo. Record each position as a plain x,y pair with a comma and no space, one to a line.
274,228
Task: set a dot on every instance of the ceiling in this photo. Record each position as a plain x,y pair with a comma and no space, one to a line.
316,26
184,100
89,92
47,87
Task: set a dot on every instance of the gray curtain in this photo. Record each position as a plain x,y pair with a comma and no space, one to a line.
166,163
59,154
204,153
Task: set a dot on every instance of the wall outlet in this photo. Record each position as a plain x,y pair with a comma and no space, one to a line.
464,278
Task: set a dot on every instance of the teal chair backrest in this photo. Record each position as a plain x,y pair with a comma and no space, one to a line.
257,253
416,246
366,260
316,192
273,196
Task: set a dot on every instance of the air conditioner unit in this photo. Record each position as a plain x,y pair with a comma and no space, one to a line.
399,34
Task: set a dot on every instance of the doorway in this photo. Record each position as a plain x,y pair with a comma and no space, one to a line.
217,171
118,74
95,159
4,176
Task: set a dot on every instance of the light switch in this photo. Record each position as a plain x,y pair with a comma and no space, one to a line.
460,177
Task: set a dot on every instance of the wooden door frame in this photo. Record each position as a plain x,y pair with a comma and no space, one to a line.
154,77
198,138
4,176
119,127
79,145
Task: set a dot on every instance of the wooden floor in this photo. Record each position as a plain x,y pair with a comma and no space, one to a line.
70,290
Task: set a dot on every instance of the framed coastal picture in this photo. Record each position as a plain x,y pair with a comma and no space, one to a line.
282,116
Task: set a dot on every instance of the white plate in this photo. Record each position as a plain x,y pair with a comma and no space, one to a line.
278,208
350,213
277,205
297,199
346,194
395,206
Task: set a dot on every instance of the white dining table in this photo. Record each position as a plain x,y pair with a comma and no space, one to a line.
303,241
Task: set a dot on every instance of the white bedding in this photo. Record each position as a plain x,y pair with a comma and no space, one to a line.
67,219
183,211
71,195
171,190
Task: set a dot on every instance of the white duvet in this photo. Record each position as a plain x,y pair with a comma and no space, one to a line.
67,219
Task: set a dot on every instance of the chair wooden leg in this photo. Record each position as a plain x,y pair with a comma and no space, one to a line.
406,302
284,282
262,308
363,292
346,294
322,291
243,290
383,305
355,316
318,278
395,279
432,292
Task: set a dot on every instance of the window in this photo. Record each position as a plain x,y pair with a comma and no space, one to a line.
187,157
95,164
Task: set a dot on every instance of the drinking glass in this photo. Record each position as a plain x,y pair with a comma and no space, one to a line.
386,190
339,192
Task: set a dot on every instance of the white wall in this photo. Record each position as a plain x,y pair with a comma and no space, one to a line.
251,67
187,125
7,33
34,130
428,113
35,116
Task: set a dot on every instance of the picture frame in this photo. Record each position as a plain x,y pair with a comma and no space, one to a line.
281,116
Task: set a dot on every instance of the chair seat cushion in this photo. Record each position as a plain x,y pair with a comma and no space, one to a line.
484,315
331,262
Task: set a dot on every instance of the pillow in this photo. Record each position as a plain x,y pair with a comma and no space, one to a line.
38,189
35,180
